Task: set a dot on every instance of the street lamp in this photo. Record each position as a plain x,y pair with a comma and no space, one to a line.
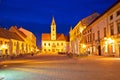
109,41
4,46
83,48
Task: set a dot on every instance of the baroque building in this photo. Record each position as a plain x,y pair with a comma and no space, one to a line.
76,40
105,33
10,43
16,41
54,42
28,37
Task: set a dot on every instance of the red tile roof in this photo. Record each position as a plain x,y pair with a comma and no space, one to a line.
9,35
14,29
46,36
59,37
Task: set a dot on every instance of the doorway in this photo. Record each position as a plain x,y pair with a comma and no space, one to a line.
99,50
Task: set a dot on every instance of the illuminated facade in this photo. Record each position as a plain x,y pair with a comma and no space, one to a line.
28,37
14,41
76,44
10,43
53,42
102,36
30,40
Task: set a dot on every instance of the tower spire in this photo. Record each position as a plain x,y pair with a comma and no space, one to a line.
53,21
53,29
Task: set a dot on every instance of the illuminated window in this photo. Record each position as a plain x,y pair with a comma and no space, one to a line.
118,27
118,13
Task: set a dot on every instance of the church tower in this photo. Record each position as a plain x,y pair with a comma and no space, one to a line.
53,30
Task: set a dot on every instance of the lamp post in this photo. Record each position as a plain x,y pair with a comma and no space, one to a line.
3,47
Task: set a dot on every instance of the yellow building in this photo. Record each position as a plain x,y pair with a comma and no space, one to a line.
10,43
17,41
53,42
76,43
29,38
104,32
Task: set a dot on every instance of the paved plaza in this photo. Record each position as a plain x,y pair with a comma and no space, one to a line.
61,67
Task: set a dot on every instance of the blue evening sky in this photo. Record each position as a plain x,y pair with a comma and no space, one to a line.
36,15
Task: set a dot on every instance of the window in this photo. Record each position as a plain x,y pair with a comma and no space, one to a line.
14,43
6,42
53,34
105,32
61,44
53,45
98,35
53,29
0,42
111,30
93,36
118,13
49,44
118,27
44,44
111,17
87,38
78,31
53,50
49,50
57,44
90,30
44,49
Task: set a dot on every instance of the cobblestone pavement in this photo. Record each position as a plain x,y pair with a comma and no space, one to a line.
58,67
